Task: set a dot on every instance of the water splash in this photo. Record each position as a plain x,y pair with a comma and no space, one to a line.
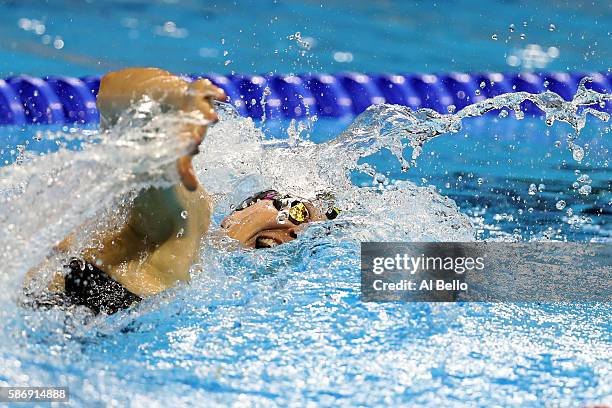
62,191
244,306
43,199
309,169
389,126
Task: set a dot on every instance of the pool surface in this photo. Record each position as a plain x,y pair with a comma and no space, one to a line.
285,326
189,36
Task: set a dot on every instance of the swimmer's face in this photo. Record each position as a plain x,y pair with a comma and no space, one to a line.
258,225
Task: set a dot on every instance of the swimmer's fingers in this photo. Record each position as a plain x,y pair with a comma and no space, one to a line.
187,173
200,97
208,90
214,92
194,134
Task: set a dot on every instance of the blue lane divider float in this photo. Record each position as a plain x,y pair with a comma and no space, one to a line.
65,100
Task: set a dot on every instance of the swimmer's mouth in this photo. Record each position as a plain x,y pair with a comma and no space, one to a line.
266,242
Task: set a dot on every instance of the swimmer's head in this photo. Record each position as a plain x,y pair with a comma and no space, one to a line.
269,218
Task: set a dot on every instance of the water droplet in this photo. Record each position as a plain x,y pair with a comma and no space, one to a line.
523,36
184,214
503,113
511,28
577,153
575,184
480,181
451,108
532,189
58,43
482,85
552,27
494,37
585,190
558,143
584,178
541,187
226,63
477,92
569,212
180,233
560,205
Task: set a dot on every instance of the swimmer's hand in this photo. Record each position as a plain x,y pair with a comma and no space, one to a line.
120,89
199,96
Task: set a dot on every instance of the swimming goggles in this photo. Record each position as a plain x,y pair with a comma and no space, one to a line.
298,212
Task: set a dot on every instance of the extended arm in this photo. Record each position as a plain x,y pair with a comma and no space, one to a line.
160,240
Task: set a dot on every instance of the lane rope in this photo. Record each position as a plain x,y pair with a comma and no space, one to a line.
65,100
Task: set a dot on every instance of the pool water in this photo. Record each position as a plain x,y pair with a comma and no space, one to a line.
189,36
286,327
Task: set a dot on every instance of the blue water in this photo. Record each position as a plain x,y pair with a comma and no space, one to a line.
390,36
286,327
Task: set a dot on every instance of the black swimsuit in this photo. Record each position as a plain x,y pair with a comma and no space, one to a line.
89,286
86,285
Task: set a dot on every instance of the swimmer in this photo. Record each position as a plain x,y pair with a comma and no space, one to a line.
157,245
